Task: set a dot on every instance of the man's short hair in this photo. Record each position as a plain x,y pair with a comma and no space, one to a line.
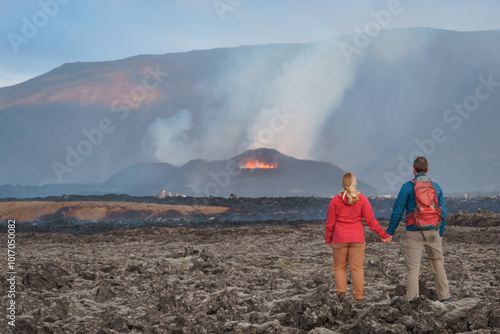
421,165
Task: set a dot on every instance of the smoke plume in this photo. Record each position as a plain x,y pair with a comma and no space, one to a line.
170,139
265,96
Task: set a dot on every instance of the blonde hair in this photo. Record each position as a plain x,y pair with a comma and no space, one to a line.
349,184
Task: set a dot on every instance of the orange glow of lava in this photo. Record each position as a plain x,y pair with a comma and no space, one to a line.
256,164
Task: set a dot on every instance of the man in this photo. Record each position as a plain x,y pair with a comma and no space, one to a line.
417,239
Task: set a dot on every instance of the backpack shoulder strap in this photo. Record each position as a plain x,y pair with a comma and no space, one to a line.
424,179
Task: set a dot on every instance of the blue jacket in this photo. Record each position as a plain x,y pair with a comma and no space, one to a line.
406,202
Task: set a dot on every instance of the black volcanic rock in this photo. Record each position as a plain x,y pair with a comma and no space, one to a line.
481,218
245,280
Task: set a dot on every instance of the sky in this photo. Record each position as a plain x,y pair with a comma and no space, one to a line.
37,36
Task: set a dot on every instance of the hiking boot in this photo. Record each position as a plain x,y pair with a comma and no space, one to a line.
341,296
360,301
449,300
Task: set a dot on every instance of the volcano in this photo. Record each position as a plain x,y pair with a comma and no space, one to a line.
254,173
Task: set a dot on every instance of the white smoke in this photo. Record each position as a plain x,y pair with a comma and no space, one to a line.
275,96
307,86
311,87
170,138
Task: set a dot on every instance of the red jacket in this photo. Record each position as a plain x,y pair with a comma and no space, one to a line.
343,224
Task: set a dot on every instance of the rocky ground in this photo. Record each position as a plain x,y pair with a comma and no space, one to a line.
248,279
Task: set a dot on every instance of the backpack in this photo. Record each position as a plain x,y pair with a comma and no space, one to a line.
427,214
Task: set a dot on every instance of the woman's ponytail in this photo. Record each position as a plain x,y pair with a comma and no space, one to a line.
349,184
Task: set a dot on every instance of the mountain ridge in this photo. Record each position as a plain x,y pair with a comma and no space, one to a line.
202,178
405,77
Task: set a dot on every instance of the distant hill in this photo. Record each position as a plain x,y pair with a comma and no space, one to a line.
406,92
139,179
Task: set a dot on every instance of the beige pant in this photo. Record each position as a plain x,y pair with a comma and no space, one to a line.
414,244
352,253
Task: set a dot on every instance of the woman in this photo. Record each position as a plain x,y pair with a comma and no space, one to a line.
344,233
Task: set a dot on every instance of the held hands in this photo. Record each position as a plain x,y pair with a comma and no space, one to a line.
387,240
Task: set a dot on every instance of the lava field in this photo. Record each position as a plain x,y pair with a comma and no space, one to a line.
244,276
